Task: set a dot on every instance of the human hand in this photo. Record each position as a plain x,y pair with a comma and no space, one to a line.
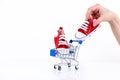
102,14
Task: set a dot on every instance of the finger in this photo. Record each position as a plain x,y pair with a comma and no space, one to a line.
90,11
97,21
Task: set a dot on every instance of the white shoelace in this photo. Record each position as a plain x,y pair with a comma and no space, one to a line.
85,26
62,40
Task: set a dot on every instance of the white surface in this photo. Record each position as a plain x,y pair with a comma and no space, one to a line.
27,28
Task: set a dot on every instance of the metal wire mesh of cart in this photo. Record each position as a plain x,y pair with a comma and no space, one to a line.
68,57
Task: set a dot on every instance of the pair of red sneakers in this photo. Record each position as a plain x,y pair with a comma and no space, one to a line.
84,31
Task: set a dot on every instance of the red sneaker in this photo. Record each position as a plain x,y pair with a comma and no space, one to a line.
86,29
60,40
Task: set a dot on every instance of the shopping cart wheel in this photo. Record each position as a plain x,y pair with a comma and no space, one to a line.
59,68
76,68
55,67
69,64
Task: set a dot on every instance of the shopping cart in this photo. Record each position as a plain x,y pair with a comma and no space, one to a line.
68,56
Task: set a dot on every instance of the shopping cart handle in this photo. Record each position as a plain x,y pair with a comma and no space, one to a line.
79,41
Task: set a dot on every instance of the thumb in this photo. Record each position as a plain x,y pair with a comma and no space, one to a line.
97,21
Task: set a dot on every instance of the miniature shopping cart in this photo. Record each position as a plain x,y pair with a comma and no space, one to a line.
68,56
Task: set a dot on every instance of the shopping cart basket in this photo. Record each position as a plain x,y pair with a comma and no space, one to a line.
68,56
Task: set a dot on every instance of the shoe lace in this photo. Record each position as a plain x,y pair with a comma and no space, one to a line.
85,25
62,40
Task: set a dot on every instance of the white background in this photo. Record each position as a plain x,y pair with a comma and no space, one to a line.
27,29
